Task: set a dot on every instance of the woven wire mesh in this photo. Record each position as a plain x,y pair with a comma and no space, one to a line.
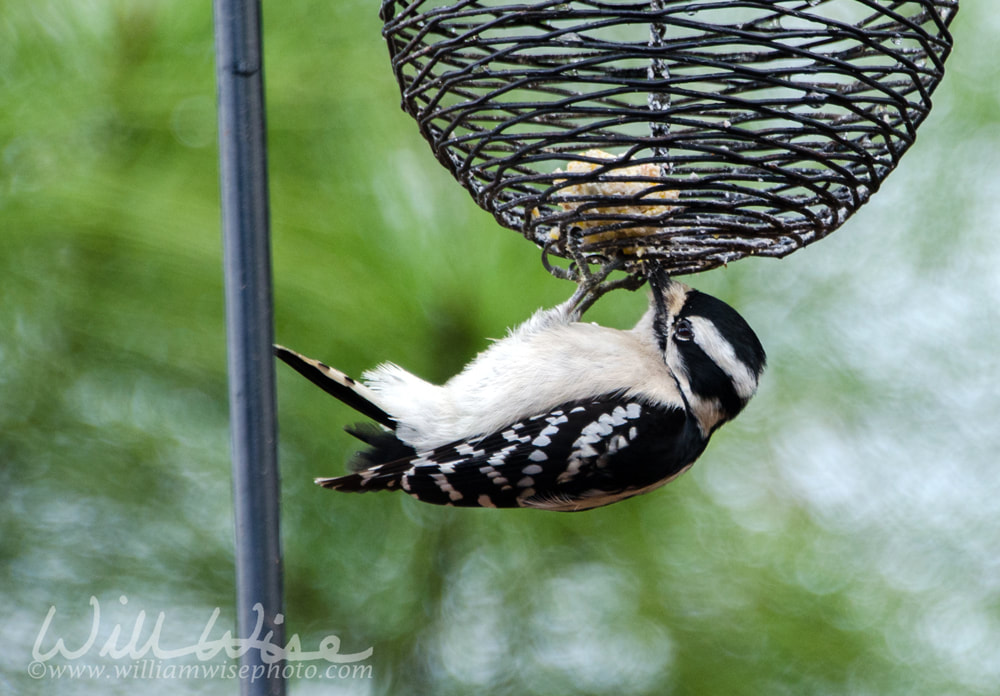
693,132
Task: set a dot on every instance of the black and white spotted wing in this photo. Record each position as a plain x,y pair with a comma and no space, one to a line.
578,456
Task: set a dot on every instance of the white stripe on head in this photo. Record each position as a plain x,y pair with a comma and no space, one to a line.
722,353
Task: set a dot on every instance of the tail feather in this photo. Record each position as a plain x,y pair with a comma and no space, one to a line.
383,447
337,384
378,478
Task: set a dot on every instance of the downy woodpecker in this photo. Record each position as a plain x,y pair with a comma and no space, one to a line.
559,414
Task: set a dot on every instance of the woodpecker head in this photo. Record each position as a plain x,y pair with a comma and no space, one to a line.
712,352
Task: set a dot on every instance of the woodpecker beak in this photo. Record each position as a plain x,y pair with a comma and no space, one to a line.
668,294
659,279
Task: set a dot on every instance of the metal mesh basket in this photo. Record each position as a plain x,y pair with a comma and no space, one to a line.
693,132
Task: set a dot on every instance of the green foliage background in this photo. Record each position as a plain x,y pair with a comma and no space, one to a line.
841,537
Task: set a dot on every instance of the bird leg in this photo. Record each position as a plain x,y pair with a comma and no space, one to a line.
591,285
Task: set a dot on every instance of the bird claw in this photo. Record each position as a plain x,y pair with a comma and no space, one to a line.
591,285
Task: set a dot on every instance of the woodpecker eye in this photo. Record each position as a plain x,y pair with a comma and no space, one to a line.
683,331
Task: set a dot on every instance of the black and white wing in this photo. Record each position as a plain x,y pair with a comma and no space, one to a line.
577,456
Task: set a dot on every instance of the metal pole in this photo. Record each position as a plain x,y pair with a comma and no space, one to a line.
245,221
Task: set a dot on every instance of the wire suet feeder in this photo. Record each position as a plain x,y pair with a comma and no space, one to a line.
692,133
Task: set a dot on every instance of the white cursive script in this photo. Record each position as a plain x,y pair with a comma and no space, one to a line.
204,649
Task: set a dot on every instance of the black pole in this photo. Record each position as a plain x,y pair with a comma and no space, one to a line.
250,332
